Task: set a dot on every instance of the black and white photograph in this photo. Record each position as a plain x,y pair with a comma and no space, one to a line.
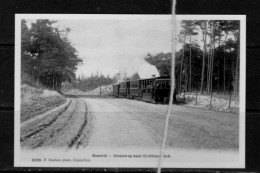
94,90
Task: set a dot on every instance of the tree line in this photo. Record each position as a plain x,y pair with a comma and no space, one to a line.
47,55
84,83
208,65
93,81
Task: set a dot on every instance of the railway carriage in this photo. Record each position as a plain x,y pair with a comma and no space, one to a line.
146,89
162,88
116,90
124,89
135,89
155,89
149,90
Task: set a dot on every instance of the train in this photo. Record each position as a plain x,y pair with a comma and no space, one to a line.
154,90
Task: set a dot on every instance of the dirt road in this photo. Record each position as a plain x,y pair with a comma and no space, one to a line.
66,129
114,126
94,122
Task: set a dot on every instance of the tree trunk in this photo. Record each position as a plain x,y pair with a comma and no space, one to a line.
218,75
186,81
53,82
208,72
237,68
190,65
234,78
181,68
212,65
237,73
203,61
212,58
224,68
218,59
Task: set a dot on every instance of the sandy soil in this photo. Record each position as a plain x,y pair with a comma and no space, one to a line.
219,102
62,130
103,124
109,122
114,126
123,122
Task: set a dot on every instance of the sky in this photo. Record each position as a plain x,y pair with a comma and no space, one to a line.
110,46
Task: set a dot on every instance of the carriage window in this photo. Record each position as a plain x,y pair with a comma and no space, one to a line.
163,85
134,84
122,85
158,85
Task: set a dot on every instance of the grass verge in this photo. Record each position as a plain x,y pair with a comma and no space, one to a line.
37,101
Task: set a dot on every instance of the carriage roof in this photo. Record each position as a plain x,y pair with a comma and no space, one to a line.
154,78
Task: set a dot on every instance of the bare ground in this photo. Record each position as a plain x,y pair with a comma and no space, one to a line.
64,130
219,102
123,122
95,122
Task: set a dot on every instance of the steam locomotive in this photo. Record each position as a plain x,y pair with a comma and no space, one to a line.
154,90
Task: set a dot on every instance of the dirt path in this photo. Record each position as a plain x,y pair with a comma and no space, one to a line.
64,130
107,125
131,123
116,127
107,122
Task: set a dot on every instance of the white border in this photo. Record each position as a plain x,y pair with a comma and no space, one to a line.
242,18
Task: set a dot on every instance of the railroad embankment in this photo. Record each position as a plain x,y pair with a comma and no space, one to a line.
35,101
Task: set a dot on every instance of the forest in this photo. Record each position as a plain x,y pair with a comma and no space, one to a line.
48,58
207,63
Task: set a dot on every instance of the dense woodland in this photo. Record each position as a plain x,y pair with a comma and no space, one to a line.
207,65
48,58
96,80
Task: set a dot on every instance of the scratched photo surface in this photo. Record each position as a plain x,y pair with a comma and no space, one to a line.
93,91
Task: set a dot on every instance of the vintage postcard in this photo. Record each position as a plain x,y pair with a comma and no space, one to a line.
93,91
